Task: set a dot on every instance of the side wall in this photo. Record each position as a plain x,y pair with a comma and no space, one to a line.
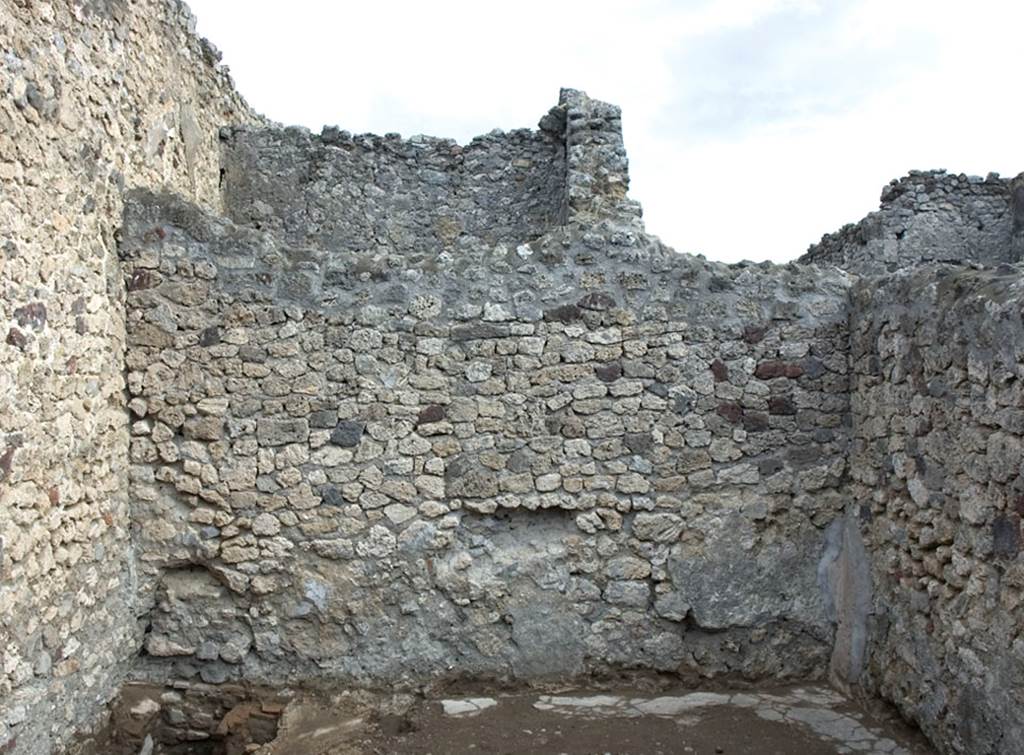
936,468
932,217
95,97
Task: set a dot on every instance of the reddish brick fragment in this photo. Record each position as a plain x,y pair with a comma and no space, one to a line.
770,369
774,368
16,338
729,410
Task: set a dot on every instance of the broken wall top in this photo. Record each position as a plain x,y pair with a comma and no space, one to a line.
931,216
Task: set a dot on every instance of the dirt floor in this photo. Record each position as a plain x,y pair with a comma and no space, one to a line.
805,719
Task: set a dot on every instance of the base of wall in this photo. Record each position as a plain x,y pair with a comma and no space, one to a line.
624,712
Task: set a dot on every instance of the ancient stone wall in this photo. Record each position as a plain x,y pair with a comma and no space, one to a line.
931,217
95,97
937,362
351,195
406,410
528,460
358,199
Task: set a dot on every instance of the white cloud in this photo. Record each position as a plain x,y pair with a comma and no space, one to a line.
753,126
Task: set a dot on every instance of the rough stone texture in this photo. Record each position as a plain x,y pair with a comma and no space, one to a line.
936,471
380,461
534,458
410,410
94,97
355,197
932,216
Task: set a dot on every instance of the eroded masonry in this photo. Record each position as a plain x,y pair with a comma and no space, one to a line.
297,409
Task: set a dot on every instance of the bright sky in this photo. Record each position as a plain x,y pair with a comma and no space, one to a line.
752,126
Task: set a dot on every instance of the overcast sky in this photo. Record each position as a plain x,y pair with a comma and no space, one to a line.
752,126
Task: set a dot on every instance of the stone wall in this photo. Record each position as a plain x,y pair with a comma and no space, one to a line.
361,195
360,198
932,216
528,460
936,470
95,97
407,410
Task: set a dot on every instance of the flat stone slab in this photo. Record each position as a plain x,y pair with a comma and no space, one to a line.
804,719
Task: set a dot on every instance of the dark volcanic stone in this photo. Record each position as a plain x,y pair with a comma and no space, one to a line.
31,315
565,313
638,443
466,478
16,338
347,434
720,371
432,413
754,333
813,368
331,496
682,404
755,422
804,456
769,370
139,280
781,405
1006,536
597,301
248,353
775,368
658,389
609,373
6,459
210,336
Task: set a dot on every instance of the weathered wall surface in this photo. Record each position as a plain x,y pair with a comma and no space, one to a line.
366,194
94,97
936,468
527,460
931,217
366,203
416,409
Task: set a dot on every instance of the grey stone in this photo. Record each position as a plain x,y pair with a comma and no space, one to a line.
347,434
279,432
